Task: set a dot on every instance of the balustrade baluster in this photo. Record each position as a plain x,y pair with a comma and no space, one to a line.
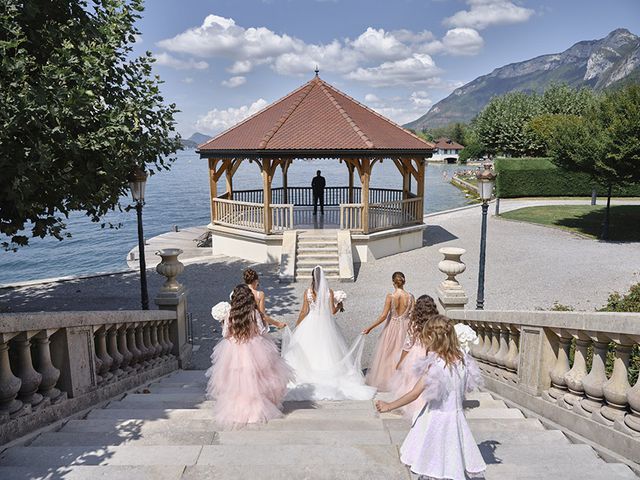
513,357
146,338
486,343
631,423
98,367
101,352
112,350
127,356
503,351
29,377
575,376
155,344
163,338
477,347
560,367
593,383
167,337
10,385
136,360
43,365
144,352
495,344
615,389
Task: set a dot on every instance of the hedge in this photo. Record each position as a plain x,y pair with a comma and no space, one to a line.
539,177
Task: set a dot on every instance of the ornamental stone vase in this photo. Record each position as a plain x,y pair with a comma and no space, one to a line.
451,295
170,267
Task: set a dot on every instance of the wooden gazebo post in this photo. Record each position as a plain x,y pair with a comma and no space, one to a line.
351,168
365,176
420,181
268,167
284,165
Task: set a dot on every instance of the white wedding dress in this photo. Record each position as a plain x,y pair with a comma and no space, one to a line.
325,367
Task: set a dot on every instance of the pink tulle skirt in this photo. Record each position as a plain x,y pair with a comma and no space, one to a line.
387,354
405,379
247,381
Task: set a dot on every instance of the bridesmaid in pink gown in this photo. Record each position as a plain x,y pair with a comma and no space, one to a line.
398,307
248,379
405,376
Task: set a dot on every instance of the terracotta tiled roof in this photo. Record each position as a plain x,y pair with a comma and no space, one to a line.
315,117
448,144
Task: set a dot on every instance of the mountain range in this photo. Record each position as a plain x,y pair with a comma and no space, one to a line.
194,140
598,64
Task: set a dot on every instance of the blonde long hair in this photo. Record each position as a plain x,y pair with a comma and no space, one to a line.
439,336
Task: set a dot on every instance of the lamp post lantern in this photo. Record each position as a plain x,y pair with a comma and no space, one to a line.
137,183
486,179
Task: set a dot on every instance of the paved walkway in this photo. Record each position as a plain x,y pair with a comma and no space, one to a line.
529,267
166,432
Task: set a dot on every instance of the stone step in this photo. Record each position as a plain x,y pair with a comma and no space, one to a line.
163,401
503,437
325,264
297,472
303,243
493,413
308,249
150,414
296,455
159,388
204,425
308,437
551,454
86,472
304,255
566,470
60,457
305,272
124,437
477,424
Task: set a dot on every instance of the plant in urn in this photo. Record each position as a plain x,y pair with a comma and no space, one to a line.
170,267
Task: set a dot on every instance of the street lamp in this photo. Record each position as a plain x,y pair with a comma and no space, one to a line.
486,179
137,183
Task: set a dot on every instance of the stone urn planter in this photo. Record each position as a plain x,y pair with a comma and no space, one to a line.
452,265
170,267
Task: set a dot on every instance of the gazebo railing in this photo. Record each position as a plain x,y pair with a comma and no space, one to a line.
351,216
303,196
250,216
386,215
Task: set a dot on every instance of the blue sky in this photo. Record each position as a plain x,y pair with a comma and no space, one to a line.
223,60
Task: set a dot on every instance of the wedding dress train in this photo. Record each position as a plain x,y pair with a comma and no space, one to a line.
325,367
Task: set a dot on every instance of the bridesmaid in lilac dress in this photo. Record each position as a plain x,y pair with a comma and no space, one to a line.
398,307
440,444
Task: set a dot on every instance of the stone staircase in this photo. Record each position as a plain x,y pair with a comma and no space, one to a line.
317,247
165,431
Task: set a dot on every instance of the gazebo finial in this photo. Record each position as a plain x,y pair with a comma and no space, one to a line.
317,70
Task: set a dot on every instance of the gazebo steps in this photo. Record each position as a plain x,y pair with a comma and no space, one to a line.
317,247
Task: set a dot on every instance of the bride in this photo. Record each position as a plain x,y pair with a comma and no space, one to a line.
325,368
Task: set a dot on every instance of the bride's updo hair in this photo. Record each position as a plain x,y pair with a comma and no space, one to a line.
249,276
398,279
242,314
424,309
439,336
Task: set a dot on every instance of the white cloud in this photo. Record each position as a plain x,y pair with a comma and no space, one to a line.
187,80
400,109
457,41
485,13
234,82
378,44
170,61
420,99
240,67
371,98
417,69
215,120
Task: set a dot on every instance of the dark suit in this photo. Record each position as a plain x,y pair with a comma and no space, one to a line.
317,186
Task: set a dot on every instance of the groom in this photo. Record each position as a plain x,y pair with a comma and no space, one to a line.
317,186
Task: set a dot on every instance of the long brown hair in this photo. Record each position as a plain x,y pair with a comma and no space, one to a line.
242,315
424,309
439,336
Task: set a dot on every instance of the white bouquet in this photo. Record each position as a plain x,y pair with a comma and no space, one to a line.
339,296
220,311
466,336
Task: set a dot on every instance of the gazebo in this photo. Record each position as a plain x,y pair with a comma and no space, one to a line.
316,121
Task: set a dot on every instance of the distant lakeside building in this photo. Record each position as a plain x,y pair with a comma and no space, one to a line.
446,150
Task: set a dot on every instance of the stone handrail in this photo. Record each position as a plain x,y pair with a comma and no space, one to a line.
53,364
525,357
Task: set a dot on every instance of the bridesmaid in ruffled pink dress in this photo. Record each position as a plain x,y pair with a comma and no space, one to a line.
405,376
440,444
398,307
248,379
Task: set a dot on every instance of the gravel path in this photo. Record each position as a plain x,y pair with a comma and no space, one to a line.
528,267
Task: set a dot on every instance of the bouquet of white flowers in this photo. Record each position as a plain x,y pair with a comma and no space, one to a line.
466,336
220,311
339,296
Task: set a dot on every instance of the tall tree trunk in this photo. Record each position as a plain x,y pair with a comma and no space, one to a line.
605,223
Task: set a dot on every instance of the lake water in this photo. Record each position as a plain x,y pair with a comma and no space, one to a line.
181,197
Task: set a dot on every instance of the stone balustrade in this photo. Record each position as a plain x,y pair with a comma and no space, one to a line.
525,357
53,364
554,364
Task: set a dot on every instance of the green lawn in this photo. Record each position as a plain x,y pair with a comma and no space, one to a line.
624,223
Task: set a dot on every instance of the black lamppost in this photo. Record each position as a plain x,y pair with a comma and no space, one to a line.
486,180
137,182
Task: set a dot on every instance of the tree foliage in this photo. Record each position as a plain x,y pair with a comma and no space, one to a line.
454,131
77,112
510,124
